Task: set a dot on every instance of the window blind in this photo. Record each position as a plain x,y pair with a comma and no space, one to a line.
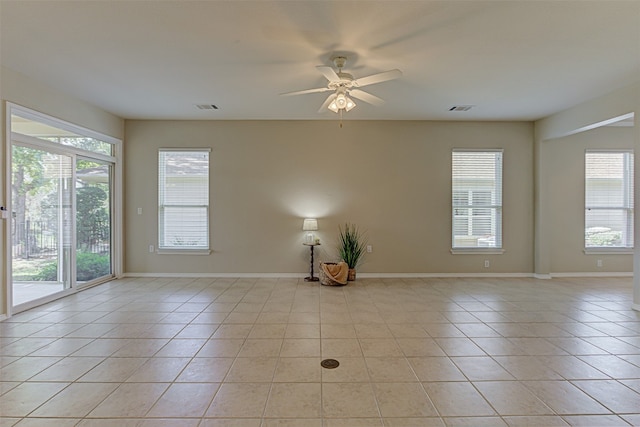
608,199
183,196
476,199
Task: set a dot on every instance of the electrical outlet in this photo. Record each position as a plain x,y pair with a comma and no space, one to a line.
151,249
599,263
369,248
486,263
139,211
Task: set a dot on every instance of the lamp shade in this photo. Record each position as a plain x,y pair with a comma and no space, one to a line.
310,224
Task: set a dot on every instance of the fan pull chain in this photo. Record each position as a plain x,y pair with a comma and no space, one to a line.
340,119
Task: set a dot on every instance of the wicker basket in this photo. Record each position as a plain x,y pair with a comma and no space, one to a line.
326,280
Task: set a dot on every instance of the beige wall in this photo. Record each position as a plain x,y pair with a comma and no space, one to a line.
564,164
391,178
573,121
386,176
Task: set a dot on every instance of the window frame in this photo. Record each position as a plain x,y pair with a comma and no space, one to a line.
496,208
18,137
627,206
172,249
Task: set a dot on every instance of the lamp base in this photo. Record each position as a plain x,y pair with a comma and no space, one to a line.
311,279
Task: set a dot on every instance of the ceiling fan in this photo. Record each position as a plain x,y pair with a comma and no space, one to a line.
345,86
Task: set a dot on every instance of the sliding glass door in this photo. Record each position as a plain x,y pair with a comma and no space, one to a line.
62,181
93,220
41,197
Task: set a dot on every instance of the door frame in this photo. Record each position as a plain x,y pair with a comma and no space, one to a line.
116,198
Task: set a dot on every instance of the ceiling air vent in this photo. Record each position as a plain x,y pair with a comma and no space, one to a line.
461,108
207,107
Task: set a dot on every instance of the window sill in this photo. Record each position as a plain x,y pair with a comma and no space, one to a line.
475,251
183,252
608,251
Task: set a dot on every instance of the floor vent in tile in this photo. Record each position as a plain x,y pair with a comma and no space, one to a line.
330,363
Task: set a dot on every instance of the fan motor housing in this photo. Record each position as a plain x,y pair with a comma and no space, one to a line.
340,61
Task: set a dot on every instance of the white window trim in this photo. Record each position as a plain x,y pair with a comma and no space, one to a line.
58,123
604,250
187,250
609,250
475,251
499,231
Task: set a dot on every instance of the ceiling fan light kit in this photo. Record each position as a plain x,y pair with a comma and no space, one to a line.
341,102
344,86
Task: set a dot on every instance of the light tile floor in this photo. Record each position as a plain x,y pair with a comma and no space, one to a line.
246,352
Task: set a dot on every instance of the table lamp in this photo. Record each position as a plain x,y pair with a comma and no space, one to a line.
309,225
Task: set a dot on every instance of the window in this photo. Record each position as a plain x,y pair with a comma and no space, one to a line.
476,199
183,197
52,130
64,227
608,214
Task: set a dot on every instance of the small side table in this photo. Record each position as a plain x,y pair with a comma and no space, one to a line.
311,278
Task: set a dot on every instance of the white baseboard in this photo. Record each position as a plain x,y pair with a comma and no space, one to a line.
3,317
389,275
300,275
593,274
220,275
437,275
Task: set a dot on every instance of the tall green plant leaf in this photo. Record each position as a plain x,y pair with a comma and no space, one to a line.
352,244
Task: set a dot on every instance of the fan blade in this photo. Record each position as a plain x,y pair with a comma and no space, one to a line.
326,103
302,92
377,78
366,97
329,73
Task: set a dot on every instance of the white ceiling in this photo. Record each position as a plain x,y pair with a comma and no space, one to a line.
512,60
